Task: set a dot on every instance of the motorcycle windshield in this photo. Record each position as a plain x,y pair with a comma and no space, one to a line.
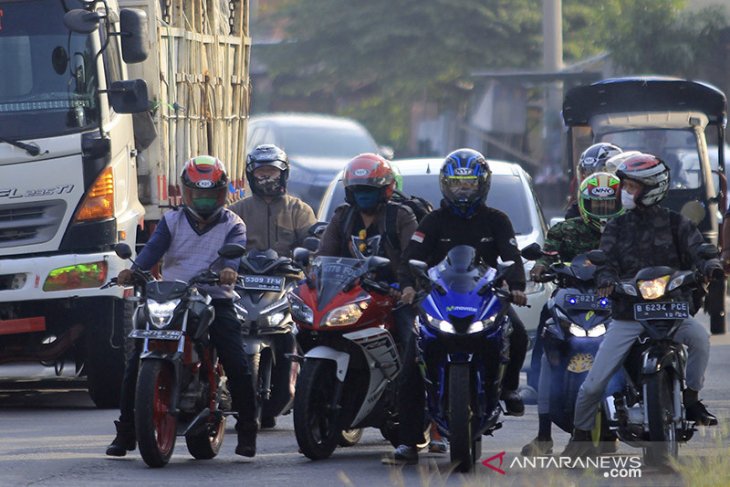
582,268
334,274
162,291
459,272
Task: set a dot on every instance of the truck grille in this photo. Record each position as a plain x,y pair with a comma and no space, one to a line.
30,223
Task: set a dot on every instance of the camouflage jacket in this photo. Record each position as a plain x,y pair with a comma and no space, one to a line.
569,238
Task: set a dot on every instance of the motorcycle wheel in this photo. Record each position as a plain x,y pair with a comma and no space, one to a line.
155,425
660,408
350,437
316,431
255,366
206,444
462,445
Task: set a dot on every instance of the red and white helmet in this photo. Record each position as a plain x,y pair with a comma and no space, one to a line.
651,172
368,177
204,186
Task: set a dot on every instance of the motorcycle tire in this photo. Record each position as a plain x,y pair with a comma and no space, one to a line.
350,437
206,444
462,445
315,426
660,409
155,423
255,366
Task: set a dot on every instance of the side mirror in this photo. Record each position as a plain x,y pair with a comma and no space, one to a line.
133,26
81,21
311,244
597,257
374,262
123,251
419,268
129,96
232,251
317,230
707,251
532,251
301,257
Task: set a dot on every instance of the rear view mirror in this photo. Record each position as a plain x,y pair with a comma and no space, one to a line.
81,21
133,25
123,251
232,251
311,244
419,268
301,257
317,230
597,257
532,251
129,96
374,263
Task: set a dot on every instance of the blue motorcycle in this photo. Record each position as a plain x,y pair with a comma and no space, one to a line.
464,330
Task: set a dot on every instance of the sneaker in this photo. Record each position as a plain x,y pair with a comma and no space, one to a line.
538,448
438,445
403,455
124,441
698,413
580,445
513,403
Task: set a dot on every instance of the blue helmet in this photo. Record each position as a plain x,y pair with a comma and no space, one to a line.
464,179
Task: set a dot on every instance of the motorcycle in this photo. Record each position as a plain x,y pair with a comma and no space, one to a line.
350,364
180,382
573,333
265,278
464,339
649,411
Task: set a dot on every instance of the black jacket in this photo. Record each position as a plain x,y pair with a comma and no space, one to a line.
489,231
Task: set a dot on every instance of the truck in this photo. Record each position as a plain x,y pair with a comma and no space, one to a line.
673,119
101,103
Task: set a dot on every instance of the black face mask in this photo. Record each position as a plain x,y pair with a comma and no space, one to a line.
269,186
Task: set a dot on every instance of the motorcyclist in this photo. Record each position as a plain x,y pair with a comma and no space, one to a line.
358,228
274,219
599,200
591,160
189,238
646,235
464,219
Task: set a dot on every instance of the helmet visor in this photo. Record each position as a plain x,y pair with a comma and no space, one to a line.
602,208
205,201
465,188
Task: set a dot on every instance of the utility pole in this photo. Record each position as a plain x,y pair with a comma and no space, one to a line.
552,55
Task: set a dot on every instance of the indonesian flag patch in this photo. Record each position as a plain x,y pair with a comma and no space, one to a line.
418,236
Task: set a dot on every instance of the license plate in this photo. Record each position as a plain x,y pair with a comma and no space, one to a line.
586,301
661,311
262,283
157,334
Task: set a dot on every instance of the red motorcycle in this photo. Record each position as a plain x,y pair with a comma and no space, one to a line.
344,317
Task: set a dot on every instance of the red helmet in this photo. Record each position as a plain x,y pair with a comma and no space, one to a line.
369,181
651,172
204,186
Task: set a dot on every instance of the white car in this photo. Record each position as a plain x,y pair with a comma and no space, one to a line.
511,191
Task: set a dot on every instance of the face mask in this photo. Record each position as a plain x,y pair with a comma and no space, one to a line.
627,200
367,200
269,186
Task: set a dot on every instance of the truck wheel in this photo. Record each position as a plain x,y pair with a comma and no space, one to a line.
106,328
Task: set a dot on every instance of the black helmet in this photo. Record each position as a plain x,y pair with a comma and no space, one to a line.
267,155
594,158
464,179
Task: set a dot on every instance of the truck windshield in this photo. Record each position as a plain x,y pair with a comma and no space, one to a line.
678,148
48,84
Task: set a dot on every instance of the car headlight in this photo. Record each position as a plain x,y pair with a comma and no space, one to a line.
598,330
654,288
275,319
481,325
345,315
576,330
299,310
160,314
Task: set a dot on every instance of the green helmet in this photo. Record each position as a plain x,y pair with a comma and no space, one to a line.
599,199
398,177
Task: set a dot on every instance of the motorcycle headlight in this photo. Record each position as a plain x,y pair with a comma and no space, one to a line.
482,325
598,330
576,330
441,325
345,315
275,319
160,314
299,310
654,288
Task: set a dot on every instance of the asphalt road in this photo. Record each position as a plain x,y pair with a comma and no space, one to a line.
51,435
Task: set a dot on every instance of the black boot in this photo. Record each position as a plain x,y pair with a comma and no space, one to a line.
513,403
124,441
246,438
268,422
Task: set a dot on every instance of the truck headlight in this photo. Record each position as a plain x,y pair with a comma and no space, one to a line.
77,276
160,314
654,288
